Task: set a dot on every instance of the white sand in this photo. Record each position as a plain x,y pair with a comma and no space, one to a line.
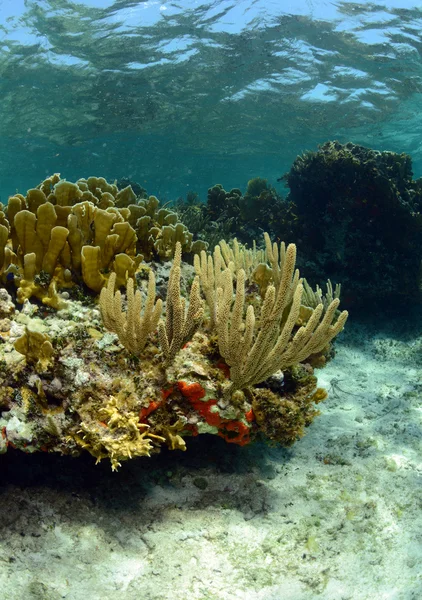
336,517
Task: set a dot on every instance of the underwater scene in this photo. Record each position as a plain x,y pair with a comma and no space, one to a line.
210,300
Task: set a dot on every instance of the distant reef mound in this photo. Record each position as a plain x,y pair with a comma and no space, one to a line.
357,220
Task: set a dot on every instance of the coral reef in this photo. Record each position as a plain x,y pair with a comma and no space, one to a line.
352,205
246,216
123,378
138,189
346,208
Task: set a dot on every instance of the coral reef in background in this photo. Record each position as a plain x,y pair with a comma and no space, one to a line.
358,221
347,210
232,214
224,347
139,191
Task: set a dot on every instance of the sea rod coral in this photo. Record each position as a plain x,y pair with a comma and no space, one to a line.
180,351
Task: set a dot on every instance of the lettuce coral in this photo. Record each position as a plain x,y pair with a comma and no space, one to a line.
63,233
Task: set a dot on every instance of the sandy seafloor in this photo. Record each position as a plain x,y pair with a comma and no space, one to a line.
337,516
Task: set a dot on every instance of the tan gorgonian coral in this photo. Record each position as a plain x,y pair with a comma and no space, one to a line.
209,270
233,257
180,325
314,297
254,351
132,326
237,256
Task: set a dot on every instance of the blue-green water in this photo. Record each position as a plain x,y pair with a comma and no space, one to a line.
181,95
